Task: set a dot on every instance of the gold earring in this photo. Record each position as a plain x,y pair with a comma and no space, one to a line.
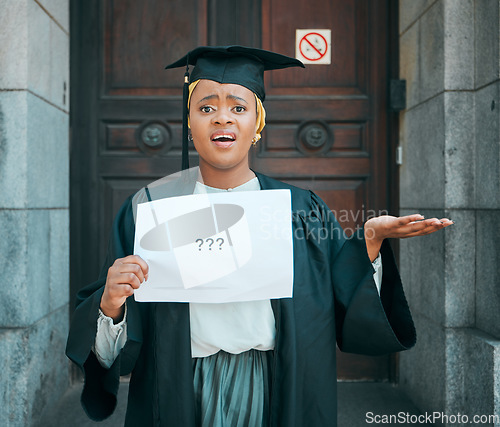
254,140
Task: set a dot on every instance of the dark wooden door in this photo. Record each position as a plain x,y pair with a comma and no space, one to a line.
327,124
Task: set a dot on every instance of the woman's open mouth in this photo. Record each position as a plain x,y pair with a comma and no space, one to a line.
223,139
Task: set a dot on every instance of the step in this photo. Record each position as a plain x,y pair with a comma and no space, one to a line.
355,401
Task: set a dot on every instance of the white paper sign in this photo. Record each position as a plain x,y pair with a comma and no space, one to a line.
218,247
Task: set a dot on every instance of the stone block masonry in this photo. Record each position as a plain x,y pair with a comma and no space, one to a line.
449,54
34,207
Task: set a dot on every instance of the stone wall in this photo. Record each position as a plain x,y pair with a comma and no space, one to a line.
449,56
34,206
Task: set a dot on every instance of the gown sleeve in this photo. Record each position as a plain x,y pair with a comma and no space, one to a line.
366,323
101,384
377,275
110,338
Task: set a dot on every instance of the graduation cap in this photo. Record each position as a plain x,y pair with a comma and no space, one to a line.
239,65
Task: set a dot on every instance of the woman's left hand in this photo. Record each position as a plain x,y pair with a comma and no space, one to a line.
382,227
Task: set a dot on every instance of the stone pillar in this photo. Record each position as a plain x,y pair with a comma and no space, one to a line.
34,206
449,56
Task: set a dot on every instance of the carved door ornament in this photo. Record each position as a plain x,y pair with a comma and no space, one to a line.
154,137
314,138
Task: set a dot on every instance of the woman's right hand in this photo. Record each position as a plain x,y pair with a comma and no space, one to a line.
125,275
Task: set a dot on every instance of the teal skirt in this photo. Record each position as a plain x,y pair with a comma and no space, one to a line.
233,390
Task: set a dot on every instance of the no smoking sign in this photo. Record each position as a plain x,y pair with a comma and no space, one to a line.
313,46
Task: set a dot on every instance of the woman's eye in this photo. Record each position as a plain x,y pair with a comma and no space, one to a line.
239,109
206,109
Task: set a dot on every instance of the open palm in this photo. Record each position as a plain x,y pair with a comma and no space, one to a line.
386,226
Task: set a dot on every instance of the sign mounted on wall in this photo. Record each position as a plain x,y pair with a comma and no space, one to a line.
313,46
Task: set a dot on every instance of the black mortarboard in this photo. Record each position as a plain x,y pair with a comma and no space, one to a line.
240,65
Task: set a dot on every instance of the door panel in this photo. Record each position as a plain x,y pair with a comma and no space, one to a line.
141,38
346,20
326,125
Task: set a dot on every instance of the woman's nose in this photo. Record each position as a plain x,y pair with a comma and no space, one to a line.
222,117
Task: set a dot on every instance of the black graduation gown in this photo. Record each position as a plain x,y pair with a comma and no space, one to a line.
335,300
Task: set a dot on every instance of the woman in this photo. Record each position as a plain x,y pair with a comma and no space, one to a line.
257,363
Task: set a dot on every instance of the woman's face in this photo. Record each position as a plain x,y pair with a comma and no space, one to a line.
223,121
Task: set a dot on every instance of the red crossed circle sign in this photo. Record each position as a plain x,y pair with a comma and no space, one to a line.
313,46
